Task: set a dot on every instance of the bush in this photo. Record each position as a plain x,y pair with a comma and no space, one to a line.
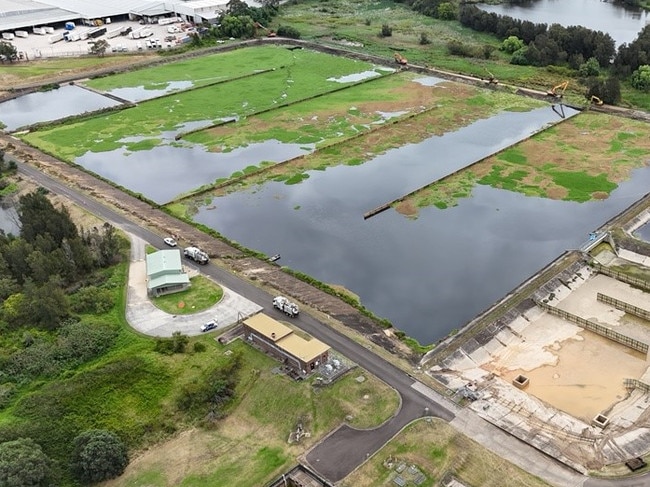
512,44
424,39
288,31
98,455
641,78
457,48
170,346
386,31
23,464
589,68
91,299
199,347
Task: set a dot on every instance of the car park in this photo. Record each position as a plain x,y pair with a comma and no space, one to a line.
170,241
210,325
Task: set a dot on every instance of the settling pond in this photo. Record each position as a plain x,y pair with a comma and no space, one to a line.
430,275
51,105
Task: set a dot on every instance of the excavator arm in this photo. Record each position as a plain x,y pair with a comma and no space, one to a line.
558,90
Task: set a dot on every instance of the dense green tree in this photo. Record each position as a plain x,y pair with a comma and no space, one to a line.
39,217
98,47
46,305
447,11
98,455
8,52
589,68
512,44
641,78
23,464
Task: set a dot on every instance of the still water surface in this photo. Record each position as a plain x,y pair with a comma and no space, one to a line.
51,105
623,24
9,220
427,276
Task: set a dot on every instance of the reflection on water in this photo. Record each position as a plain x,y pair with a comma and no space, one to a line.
431,275
51,105
428,276
623,24
140,93
355,77
428,80
166,171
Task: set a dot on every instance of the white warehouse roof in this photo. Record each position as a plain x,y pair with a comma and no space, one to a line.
92,9
18,14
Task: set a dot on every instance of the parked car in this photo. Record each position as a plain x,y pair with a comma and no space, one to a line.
170,241
210,325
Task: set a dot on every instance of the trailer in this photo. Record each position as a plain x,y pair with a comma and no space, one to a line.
196,254
21,33
287,307
7,36
39,30
114,33
56,37
94,33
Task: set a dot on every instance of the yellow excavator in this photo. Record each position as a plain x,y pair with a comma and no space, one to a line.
491,79
401,60
269,32
595,100
558,90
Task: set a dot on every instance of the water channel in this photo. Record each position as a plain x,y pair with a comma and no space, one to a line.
51,105
623,24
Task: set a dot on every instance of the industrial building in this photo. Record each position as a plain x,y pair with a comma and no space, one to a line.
165,273
25,15
301,356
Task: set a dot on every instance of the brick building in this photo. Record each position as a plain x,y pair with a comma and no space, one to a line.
300,355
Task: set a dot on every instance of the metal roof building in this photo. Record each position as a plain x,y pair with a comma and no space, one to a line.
18,14
165,273
299,354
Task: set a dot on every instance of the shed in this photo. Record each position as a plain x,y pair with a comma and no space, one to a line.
165,273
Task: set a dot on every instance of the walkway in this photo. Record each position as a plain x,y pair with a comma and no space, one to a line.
144,317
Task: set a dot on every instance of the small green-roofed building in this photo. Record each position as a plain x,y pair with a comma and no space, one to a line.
165,273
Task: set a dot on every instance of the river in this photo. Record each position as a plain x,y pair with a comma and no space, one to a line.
623,24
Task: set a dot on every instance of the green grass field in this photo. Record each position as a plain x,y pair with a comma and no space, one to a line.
202,294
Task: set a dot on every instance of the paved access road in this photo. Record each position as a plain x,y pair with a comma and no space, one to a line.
345,449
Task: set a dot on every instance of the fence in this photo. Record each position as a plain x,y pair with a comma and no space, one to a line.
636,384
596,328
623,306
620,276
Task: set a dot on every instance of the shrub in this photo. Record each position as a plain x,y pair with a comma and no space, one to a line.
91,299
288,31
589,68
98,455
386,31
23,464
199,347
641,78
424,39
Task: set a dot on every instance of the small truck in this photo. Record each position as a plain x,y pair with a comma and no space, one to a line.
287,307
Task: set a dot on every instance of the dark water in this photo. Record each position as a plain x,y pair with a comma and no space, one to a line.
9,220
51,105
166,171
643,232
621,23
429,275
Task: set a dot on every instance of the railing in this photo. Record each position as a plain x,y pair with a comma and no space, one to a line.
596,328
636,384
623,306
620,276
